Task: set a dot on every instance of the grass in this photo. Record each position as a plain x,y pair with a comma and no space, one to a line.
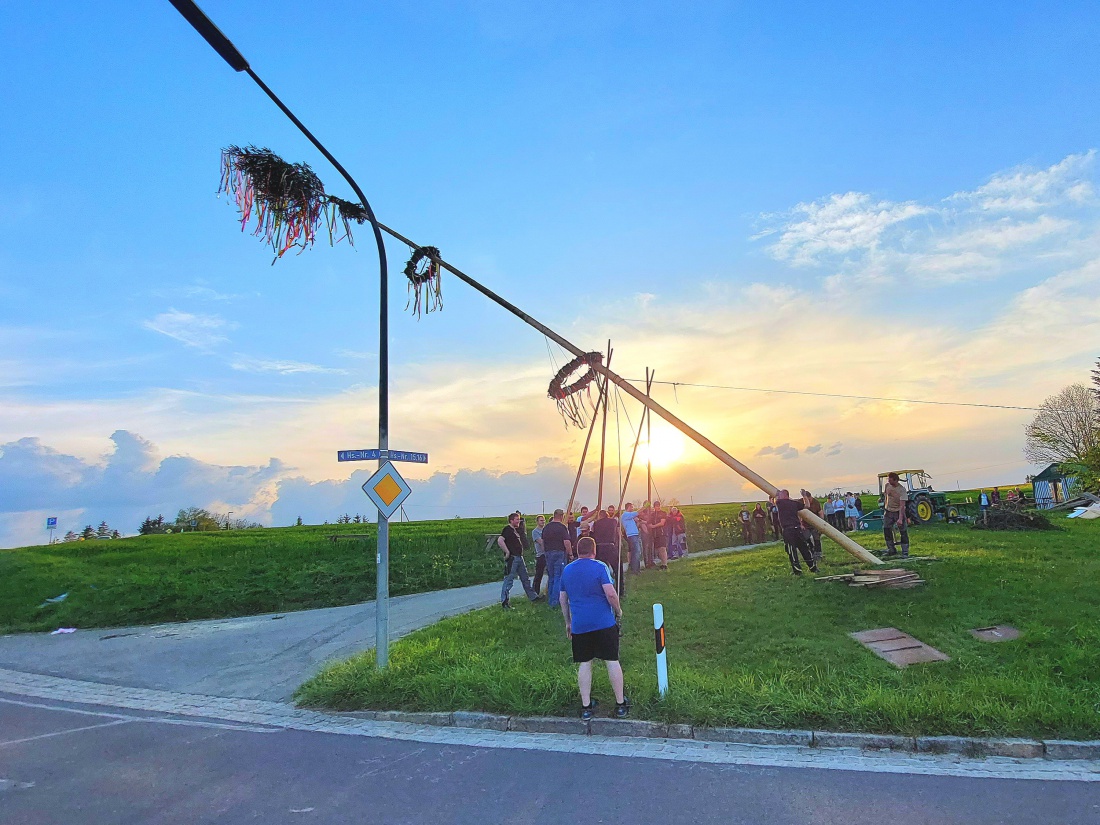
150,579
749,645
183,576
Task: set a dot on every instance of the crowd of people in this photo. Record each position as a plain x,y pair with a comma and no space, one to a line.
584,556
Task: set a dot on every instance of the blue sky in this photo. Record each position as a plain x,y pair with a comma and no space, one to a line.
889,200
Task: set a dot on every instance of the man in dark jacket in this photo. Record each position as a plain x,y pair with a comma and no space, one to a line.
794,538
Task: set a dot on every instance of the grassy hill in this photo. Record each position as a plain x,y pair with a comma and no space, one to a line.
161,578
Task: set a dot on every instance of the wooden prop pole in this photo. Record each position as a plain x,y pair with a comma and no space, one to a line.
648,441
603,439
630,466
757,480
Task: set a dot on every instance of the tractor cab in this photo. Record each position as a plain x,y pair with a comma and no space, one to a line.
924,502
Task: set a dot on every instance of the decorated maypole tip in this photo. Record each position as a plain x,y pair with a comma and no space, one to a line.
287,200
574,399
425,280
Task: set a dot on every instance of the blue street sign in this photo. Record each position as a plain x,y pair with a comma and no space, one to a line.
51,522
374,454
358,455
415,458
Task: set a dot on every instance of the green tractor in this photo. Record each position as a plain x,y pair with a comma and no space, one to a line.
924,502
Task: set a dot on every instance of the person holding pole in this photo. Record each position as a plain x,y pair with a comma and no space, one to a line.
629,518
592,612
793,536
556,547
510,542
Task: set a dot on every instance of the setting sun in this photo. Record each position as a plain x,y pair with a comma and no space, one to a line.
665,448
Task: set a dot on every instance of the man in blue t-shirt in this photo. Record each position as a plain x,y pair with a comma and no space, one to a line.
591,609
629,518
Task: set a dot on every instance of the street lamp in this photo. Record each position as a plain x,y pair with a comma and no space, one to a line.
231,55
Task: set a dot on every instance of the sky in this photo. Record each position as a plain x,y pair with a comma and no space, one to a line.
893,200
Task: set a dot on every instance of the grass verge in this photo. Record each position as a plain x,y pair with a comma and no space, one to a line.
150,579
749,645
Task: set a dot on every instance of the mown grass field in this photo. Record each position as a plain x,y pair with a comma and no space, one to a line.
750,645
161,578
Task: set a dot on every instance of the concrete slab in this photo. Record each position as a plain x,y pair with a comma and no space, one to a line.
996,633
898,648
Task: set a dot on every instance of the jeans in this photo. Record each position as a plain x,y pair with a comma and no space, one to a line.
889,519
540,571
555,564
677,546
515,566
635,545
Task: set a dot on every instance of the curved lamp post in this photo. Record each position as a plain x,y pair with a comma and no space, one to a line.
231,55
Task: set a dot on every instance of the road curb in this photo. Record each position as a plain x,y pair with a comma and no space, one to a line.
968,746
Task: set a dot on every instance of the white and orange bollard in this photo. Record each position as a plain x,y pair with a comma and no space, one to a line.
659,638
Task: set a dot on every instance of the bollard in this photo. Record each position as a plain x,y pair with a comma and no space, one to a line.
659,638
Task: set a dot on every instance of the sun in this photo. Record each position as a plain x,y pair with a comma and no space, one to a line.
665,449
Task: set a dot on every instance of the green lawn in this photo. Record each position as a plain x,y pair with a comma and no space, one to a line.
162,578
750,645
151,579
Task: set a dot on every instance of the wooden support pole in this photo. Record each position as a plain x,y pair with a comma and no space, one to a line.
587,440
749,475
630,466
648,441
603,438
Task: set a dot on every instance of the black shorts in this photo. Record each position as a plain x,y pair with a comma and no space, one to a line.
597,644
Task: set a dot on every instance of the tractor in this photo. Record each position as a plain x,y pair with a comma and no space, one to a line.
924,502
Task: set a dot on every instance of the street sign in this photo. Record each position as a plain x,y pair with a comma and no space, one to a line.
374,454
387,489
51,522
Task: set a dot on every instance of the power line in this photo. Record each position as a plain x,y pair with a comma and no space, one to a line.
675,384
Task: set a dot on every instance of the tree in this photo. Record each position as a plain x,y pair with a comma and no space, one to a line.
299,522
103,531
88,532
152,526
71,536
204,519
1096,387
1065,428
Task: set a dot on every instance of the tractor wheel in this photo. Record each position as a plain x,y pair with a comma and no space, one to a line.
951,514
923,511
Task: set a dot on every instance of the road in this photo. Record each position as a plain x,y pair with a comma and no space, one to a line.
72,764
190,724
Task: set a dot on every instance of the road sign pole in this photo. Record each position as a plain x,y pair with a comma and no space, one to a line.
382,559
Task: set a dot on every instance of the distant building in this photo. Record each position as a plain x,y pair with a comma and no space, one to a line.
1053,487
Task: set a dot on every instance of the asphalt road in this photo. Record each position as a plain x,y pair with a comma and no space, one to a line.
61,763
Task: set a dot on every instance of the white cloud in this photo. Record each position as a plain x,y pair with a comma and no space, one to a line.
246,363
199,331
1015,218
838,225
1025,189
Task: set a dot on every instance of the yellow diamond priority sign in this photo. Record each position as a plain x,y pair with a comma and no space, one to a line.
387,489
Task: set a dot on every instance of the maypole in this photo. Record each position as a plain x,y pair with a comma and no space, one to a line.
426,265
